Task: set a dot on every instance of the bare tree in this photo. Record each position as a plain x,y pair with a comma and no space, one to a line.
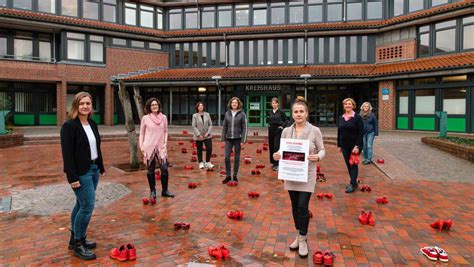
129,124
138,101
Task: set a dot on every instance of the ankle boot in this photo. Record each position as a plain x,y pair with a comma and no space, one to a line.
89,244
81,251
302,246
164,186
294,245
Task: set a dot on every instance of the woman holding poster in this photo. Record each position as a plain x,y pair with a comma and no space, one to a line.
300,192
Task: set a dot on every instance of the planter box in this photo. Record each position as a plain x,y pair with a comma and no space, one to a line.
10,140
460,151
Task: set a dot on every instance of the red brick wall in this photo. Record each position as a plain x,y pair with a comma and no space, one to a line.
403,50
387,116
118,61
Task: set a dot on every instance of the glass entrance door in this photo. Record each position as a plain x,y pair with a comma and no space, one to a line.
326,109
257,109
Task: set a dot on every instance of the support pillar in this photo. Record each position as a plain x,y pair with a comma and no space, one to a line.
109,105
61,103
387,105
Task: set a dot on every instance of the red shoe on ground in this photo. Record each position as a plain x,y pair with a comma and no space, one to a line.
180,143
215,252
363,218
382,200
320,195
210,169
240,215
183,150
250,142
213,155
232,214
192,185
225,252
318,257
193,159
257,172
328,195
253,172
442,254
132,252
371,218
145,201
188,167
178,225
430,253
152,201
120,254
185,226
259,150
328,258
194,153
381,161
265,148
447,224
185,132
438,224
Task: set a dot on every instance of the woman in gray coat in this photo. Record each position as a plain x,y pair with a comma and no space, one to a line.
234,132
202,126
300,192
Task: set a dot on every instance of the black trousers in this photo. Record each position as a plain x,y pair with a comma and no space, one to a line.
354,169
151,175
208,144
274,136
299,208
229,144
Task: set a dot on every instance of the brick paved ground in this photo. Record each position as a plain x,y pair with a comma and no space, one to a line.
264,234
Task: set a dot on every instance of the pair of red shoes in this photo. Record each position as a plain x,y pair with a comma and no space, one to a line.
382,200
220,252
380,161
322,195
232,183
124,253
366,188
265,148
260,166
194,153
193,159
151,200
259,150
253,194
180,143
255,172
192,185
181,225
235,214
213,155
367,218
185,132
440,224
188,167
184,151
326,258
354,159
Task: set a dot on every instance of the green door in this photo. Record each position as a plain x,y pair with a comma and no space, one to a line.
257,109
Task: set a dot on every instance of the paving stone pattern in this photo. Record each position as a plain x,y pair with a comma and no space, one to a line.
261,238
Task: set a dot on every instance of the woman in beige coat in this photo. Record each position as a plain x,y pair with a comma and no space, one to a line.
300,192
202,126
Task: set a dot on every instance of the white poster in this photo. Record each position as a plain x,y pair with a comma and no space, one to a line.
293,165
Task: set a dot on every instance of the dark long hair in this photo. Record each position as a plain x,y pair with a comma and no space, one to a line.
147,108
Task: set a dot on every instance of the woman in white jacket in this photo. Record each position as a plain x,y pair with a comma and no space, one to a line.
202,126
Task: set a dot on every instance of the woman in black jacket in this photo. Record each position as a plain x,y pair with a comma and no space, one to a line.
349,139
370,131
234,132
277,120
80,145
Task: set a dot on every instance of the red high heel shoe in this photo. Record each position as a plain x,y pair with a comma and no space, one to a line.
145,201
180,143
380,161
328,258
253,172
371,218
188,167
185,132
250,142
213,155
363,218
382,200
185,226
184,151
259,150
318,257
193,159
328,195
120,254
178,225
215,252
232,214
320,195
192,185
132,252
265,148
194,153
257,172
438,224
225,252
447,224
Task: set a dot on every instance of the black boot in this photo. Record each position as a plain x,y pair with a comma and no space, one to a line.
81,251
164,186
234,178
89,244
226,180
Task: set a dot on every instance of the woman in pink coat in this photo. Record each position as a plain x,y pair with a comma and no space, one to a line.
153,141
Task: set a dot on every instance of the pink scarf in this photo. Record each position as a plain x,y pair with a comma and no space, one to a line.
348,117
157,118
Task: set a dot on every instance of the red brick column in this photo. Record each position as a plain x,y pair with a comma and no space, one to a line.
109,105
61,106
387,116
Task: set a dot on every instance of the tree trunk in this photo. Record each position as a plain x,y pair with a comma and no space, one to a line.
129,125
138,101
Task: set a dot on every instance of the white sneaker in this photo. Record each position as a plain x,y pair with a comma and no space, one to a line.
209,165
201,165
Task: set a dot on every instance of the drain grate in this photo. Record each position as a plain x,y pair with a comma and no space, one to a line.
5,204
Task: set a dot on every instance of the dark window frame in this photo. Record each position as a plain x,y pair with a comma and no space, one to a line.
87,48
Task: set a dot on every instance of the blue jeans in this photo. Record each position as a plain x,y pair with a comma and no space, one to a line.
85,202
235,143
368,144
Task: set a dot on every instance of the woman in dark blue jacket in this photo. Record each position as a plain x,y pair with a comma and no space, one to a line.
82,157
370,131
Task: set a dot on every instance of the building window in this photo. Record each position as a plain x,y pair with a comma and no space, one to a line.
208,15
195,54
45,47
90,9
69,7
454,101
147,16
131,13
425,102
424,41
154,46
159,18
415,5
374,9
280,52
137,44
290,51
177,50
445,37
334,10
241,53
311,51
260,55
332,52
398,7
342,49
468,33
204,54
76,46
47,6
270,52
96,49
175,19
354,9
259,14
438,2
191,18
119,42
23,45
3,2
403,102
300,50
278,13
251,49
224,16
3,47
222,54
296,11
364,48
353,47
232,53
321,50
242,15
214,54
109,10
315,10
23,4
186,54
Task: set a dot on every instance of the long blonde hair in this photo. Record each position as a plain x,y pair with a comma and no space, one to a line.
365,114
74,111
